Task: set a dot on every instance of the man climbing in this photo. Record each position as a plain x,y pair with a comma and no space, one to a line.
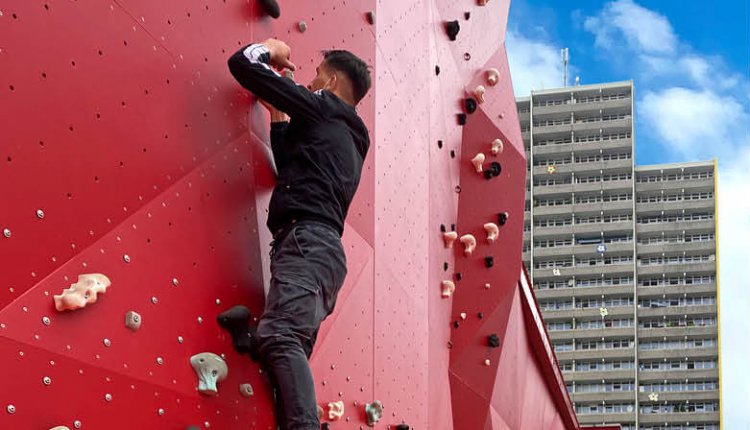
319,154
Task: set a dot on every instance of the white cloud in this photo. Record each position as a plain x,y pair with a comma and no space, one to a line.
534,65
694,123
643,29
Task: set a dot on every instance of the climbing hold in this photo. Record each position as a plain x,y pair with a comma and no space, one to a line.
449,237
335,410
302,26
246,390
493,341
492,231
271,8
325,426
469,243
467,15
480,315
448,288
482,2
371,17
477,162
470,104
493,171
479,93
320,412
235,320
463,315
210,369
132,320
456,324
83,292
493,76
193,428
489,262
487,286
458,276
289,74
442,228
452,27
497,146
402,427
487,362
374,412
462,119
437,70
60,428
502,217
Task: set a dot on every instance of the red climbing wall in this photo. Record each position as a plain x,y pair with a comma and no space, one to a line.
129,150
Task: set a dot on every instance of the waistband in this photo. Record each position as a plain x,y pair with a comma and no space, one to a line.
286,228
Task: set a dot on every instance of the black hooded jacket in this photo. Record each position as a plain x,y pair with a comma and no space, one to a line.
319,154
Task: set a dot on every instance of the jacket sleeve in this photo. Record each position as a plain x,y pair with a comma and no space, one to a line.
278,131
250,67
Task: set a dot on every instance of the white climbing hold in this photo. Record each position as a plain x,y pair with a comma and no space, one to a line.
60,428
492,231
487,286
469,244
335,410
210,369
487,362
448,288
449,237
497,146
83,292
493,76
246,390
479,93
463,316
477,162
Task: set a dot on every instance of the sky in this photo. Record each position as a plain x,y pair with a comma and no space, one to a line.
689,62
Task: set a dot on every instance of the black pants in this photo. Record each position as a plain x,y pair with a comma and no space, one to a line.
308,267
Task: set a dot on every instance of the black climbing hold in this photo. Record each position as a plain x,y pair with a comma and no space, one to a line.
236,321
462,119
371,17
487,174
437,70
467,56
470,104
271,8
193,428
495,168
402,427
458,276
480,315
445,266
456,324
453,227
440,144
489,262
453,154
325,426
452,28
442,228
467,15
493,341
502,217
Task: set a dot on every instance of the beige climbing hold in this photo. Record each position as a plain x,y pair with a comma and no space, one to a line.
374,412
487,362
448,288
133,320
492,231
463,315
469,243
449,237
320,412
83,292
210,369
477,162
493,76
479,93
497,146
487,286
60,428
246,390
335,410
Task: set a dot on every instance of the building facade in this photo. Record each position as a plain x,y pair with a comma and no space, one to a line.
623,262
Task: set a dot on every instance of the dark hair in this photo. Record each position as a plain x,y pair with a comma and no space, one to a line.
353,67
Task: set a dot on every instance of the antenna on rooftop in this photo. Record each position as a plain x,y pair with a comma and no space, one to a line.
564,53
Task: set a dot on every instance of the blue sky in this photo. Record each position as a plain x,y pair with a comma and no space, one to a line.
689,62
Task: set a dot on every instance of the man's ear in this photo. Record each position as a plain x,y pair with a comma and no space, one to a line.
332,82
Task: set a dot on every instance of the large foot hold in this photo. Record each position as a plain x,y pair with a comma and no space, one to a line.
236,321
210,369
374,412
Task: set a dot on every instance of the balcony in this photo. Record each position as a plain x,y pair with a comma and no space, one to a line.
613,126
552,129
676,205
676,247
625,226
598,376
660,418
611,269
545,190
681,332
620,184
597,333
657,269
596,419
657,227
676,290
612,396
699,310
645,376
692,185
552,251
596,354
660,354
616,206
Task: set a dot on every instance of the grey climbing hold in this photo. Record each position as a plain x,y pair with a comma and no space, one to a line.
271,8
246,390
133,320
210,369
302,26
374,412
452,28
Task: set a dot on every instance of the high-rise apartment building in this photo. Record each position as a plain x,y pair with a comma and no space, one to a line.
623,261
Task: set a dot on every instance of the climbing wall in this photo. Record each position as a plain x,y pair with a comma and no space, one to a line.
129,151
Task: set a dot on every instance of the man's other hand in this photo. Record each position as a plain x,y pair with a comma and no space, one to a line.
280,53
276,115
